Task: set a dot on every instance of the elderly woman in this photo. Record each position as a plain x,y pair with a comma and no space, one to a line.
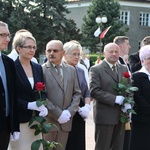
28,74
76,139
141,121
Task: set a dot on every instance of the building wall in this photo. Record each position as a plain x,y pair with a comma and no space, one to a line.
136,33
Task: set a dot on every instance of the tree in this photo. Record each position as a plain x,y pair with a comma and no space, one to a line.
110,8
45,19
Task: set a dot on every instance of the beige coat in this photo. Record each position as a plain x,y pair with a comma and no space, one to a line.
60,98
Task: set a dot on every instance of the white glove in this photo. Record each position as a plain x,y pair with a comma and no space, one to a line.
42,109
126,107
119,100
84,111
67,113
15,136
64,117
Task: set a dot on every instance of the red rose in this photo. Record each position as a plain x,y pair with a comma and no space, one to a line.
39,86
126,74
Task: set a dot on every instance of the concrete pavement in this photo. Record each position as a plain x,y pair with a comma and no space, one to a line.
90,132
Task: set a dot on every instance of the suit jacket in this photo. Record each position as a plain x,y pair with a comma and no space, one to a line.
61,98
12,97
141,97
102,80
24,90
121,61
134,62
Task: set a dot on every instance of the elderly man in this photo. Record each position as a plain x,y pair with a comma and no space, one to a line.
63,93
8,102
109,132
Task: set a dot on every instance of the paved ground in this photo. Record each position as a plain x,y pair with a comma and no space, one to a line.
90,132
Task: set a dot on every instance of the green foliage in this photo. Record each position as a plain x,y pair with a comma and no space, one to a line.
41,127
45,19
111,9
125,89
46,144
38,123
93,57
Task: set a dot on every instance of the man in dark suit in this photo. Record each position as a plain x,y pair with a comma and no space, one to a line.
109,131
63,93
134,59
124,45
8,102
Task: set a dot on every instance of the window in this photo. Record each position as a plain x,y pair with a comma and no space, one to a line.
144,19
124,17
139,46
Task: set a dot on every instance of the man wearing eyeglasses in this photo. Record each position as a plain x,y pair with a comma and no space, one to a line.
8,101
63,93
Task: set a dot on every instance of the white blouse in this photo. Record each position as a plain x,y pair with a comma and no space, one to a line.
31,81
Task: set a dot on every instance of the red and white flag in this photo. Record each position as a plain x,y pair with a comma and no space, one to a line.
97,32
102,35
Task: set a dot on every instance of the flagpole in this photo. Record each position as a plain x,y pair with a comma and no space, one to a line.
99,20
100,48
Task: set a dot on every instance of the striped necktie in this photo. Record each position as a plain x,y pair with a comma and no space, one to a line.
114,71
60,75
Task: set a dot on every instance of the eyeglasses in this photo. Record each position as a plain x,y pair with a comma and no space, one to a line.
55,50
29,47
4,35
75,54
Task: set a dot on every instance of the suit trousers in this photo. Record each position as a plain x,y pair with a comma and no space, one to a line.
109,137
57,136
5,135
127,140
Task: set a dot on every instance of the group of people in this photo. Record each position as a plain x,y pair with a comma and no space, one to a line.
110,134
69,93
66,89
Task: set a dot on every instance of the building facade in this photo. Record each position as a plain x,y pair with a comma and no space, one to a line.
134,13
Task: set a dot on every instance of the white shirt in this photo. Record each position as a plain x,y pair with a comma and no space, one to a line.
85,71
87,62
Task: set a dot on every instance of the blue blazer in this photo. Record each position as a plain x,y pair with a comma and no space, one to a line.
24,90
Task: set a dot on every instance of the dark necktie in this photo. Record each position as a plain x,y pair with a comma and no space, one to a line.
60,75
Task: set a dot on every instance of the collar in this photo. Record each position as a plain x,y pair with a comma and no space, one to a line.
110,65
56,65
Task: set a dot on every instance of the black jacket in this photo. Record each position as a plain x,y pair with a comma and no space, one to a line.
12,96
25,92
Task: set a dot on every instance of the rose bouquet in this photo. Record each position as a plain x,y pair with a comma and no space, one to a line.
39,123
125,89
